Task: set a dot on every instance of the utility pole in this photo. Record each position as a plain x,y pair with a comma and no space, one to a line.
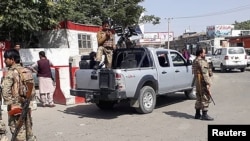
168,29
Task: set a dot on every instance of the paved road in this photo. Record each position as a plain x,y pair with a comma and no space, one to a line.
172,119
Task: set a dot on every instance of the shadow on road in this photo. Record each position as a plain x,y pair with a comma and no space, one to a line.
123,108
92,111
227,71
179,114
170,99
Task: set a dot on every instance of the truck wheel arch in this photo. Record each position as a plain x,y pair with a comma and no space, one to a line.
146,80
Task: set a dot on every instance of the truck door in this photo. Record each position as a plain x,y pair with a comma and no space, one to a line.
182,72
165,73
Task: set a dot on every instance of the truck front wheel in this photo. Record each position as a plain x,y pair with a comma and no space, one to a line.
147,100
191,94
105,105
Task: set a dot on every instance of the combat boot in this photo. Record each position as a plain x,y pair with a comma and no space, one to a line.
205,116
96,66
197,114
32,138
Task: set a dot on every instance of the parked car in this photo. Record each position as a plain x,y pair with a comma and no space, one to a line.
248,56
28,64
228,58
192,57
208,57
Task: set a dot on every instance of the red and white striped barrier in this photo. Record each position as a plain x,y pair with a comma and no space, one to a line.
63,84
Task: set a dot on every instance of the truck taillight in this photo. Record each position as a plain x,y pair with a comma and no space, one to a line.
119,82
118,76
226,58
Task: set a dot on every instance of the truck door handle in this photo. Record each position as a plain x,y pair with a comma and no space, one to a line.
177,71
163,72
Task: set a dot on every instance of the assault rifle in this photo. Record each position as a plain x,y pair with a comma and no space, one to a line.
24,110
125,34
200,77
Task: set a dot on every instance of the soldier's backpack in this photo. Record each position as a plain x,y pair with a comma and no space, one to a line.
26,75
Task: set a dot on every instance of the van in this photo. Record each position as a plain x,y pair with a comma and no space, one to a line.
228,58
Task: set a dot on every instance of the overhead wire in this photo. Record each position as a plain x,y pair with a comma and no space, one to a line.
240,8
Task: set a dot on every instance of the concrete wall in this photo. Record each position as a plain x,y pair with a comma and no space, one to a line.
58,56
64,39
58,46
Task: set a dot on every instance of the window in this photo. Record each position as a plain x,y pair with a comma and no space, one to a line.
236,51
134,58
177,59
163,59
218,52
84,41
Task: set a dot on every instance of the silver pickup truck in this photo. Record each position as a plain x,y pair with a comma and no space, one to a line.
138,75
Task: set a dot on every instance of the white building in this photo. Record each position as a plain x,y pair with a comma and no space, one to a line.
71,39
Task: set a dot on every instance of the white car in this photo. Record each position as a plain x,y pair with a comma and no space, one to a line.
228,58
192,57
208,57
248,56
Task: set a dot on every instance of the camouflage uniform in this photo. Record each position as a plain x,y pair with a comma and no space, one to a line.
203,98
10,92
3,131
201,68
106,46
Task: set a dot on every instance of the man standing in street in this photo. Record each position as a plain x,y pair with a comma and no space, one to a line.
44,74
203,84
18,47
185,53
106,45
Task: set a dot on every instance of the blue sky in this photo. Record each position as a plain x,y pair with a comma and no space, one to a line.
221,12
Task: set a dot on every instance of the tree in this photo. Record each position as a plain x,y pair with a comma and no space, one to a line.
20,19
242,25
122,12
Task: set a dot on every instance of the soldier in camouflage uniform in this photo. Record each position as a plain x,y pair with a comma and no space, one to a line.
3,130
10,93
201,68
106,45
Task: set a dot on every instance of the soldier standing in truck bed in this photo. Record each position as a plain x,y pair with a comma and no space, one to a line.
106,45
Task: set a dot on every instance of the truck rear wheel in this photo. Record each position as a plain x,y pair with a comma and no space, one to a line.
147,100
105,105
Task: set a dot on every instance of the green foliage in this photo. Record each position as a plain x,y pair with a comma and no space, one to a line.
242,25
20,19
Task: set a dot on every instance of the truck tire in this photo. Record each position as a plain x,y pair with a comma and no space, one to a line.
212,67
105,105
191,94
242,69
147,100
222,68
